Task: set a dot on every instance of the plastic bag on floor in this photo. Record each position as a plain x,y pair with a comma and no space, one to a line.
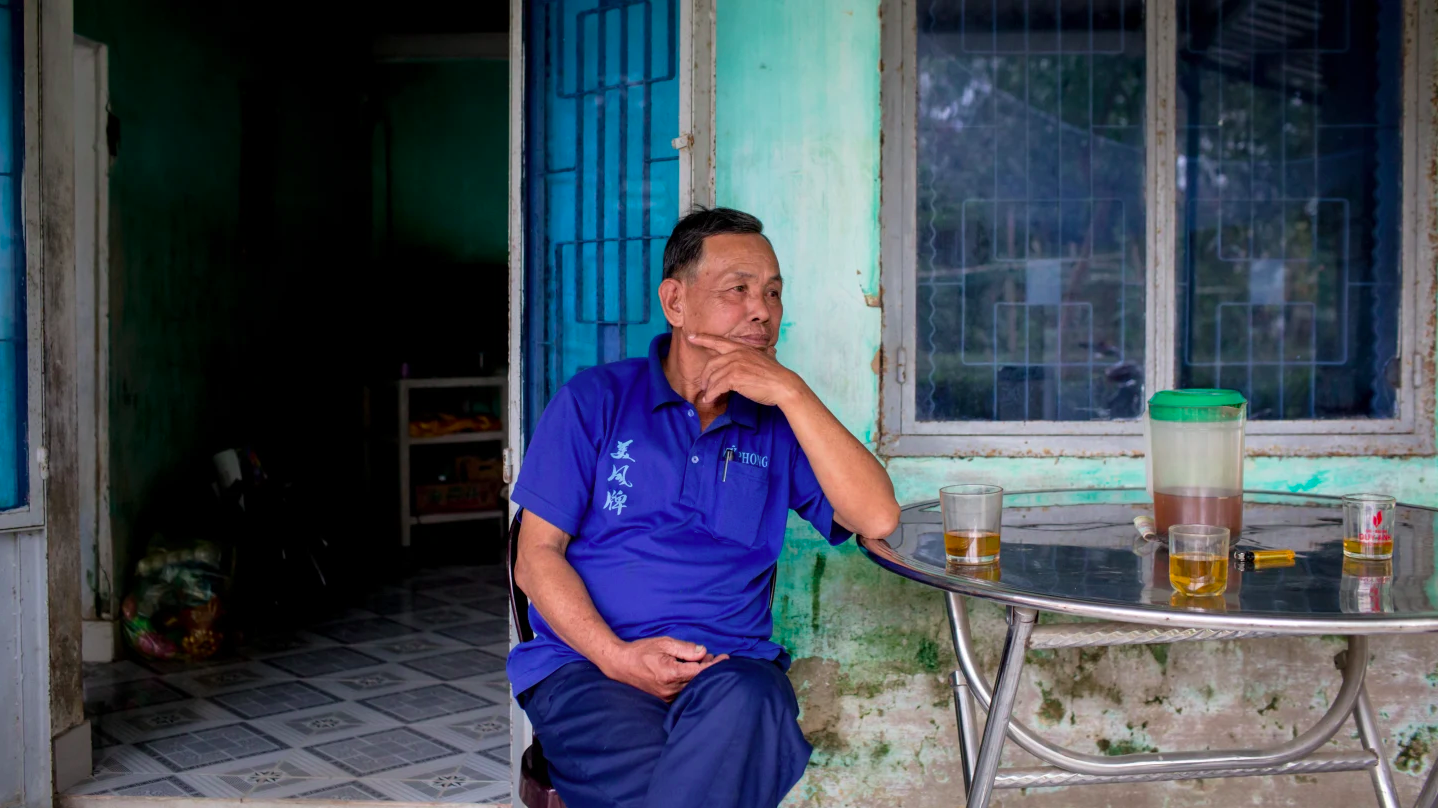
174,610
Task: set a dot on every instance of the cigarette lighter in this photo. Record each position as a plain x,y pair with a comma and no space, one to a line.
1257,557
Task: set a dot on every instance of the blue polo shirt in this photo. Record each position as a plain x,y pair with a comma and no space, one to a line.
674,530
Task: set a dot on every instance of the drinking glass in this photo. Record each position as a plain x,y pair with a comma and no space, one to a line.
1198,559
972,514
1368,525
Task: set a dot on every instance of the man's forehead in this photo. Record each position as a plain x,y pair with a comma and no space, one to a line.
747,256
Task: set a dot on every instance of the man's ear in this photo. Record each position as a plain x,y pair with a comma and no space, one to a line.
671,299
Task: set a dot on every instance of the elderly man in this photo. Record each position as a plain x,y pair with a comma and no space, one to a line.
655,494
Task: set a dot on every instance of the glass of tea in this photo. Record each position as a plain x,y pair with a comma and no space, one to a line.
1368,522
972,514
1198,560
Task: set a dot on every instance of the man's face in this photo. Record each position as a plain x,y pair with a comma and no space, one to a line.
736,292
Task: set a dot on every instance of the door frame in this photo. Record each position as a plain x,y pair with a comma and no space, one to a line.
93,358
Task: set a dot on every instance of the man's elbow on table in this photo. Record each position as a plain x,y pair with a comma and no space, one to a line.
875,523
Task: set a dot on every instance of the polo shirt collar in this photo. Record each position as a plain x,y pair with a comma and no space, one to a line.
741,410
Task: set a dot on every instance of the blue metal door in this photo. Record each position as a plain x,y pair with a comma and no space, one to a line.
14,485
601,182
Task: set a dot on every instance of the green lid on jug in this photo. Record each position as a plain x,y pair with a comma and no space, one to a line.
1196,406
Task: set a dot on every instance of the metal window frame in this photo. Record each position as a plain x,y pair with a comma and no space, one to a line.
1410,433
32,513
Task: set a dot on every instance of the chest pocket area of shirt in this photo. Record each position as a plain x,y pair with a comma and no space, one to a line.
739,503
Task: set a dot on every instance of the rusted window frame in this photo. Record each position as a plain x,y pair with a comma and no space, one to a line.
1410,433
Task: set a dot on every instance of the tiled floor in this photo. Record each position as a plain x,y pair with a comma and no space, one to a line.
403,699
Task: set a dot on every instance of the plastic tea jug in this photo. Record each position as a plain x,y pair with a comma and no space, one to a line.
1195,458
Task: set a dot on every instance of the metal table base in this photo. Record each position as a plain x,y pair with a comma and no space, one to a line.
980,759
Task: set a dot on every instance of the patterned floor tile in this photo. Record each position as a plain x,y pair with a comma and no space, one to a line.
479,632
98,784
379,752
99,738
496,606
327,723
281,697
437,618
351,791
352,632
215,788
471,730
497,692
122,760
277,644
193,750
432,786
363,689
441,581
165,667
392,603
458,664
110,698
112,672
373,682
492,760
171,786
425,703
224,679
479,793
271,775
414,646
146,723
323,662
468,592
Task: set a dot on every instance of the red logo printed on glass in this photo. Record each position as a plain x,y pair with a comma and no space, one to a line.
1377,533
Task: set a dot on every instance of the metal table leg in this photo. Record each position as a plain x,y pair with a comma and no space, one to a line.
968,721
1428,797
1006,687
1369,736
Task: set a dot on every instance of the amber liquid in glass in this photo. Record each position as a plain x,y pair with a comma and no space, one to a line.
971,547
1197,507
1367,549
1198,575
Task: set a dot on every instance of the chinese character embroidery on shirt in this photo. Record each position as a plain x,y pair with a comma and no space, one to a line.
618,474
623,451
614,501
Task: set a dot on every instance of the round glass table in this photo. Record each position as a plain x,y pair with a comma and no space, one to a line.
1077,552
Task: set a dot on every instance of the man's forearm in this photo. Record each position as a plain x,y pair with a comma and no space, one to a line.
564,603
853,480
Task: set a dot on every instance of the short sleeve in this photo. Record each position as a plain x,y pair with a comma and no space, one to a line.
556,479
807,499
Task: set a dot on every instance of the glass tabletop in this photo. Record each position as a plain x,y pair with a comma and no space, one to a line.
1077,551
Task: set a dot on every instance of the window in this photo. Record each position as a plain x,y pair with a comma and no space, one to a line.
19,377
1087,202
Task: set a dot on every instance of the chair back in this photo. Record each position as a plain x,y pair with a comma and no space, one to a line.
518,603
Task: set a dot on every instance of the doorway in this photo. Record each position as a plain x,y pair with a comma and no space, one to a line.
306,298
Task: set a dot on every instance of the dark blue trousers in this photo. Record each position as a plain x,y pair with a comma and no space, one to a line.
730,740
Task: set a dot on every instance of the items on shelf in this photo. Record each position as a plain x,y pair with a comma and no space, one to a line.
475,487
449,424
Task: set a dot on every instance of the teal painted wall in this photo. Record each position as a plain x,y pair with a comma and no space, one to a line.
439,168
449,159
798,144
